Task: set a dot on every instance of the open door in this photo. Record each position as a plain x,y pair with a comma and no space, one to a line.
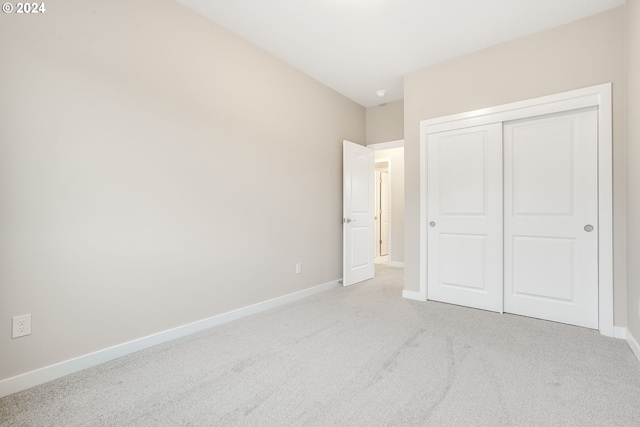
358,210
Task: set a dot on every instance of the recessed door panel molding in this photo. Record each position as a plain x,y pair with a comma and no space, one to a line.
360,183
556,244
551,261
542,157
556,280
464,255
360,236
463,177
462,262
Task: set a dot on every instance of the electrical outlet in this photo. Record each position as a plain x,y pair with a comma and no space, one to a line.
21,326
299,268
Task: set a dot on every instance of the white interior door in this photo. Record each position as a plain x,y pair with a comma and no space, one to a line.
358,213
384,213
464,210
551,217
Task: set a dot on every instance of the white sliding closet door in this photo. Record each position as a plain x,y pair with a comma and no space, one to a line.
551,217
464,205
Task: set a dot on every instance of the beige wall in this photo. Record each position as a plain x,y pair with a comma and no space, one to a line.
155,170
584,53
396,158
385,122
633,166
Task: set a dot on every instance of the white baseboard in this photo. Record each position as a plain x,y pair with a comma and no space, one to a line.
620,332
623,333
40,376
396,264
633,344
413,295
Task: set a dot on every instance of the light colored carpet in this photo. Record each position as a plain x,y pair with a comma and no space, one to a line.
359,356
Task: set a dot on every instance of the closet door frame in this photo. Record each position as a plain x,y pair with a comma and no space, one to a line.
598,96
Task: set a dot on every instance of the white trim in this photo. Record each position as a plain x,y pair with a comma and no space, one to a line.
605,210
565,101
633,344
620,332
396,264
417,296
387,145
422,255
599,96
39,376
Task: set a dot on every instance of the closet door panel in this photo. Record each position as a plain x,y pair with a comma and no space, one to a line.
551,208
464,205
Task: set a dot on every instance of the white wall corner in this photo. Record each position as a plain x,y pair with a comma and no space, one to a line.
620,332
417,296
48,373
633,344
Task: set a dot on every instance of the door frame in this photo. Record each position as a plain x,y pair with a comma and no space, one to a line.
398,143
386,160
598,96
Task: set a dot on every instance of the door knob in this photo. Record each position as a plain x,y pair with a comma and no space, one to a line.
433,224
588,228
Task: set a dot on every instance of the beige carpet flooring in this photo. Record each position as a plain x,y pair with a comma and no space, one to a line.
358,356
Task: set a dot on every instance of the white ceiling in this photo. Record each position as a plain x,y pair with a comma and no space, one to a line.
357,47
